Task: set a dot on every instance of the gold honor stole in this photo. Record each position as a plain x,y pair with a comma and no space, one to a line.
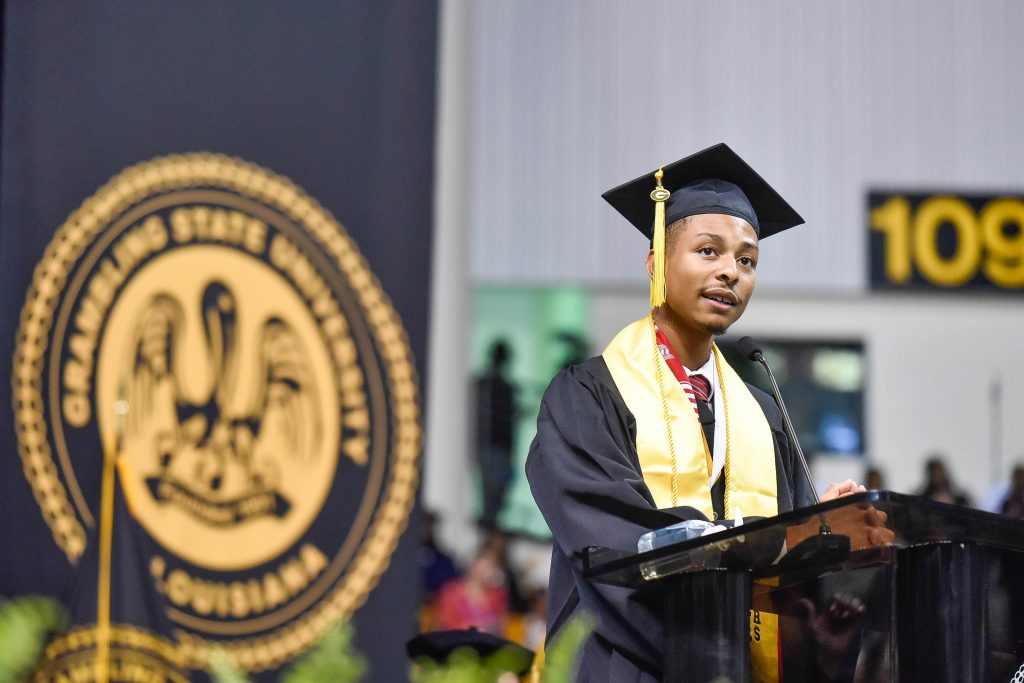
750,484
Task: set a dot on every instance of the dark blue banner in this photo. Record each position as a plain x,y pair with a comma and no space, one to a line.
215,237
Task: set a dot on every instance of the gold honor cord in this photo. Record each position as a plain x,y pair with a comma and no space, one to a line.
658,362
729,512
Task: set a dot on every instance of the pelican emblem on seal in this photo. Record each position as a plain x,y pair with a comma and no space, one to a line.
216,455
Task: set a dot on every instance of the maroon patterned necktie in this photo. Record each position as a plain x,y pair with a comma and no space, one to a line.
701,386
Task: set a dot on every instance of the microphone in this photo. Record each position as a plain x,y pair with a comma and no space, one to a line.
751,350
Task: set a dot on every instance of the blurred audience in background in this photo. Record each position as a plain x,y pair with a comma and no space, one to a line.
938,485
436,566
479,599
1013,504
496,544
493,595
873,479
496,416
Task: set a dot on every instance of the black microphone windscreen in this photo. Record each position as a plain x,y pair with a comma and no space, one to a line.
748,348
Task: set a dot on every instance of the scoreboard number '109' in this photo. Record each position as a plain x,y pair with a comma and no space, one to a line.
946,241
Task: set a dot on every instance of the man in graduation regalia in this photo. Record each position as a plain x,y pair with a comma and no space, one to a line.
659,428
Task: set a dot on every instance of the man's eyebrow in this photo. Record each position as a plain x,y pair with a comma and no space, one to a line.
718,239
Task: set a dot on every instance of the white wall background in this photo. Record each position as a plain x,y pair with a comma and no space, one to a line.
825,99
545,104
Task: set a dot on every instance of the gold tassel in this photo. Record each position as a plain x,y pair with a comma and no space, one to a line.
659,195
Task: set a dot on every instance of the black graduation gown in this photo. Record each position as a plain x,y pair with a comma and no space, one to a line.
585,475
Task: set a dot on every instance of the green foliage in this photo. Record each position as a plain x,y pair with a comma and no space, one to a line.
333,660
466,666
25,625
561,656
222,669
27,622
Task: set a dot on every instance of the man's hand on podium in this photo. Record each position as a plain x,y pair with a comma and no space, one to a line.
863,523
846,488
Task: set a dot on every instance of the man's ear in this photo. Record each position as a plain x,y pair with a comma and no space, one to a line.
650,263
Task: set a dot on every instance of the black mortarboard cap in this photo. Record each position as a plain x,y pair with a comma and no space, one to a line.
437,646
714,180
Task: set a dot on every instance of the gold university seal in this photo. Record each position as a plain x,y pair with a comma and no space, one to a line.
219,332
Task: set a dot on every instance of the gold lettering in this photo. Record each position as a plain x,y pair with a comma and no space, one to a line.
239,600
157,565
132,248
286,257
200,219
76,376
181,225
113,273
255,236
76,409
81,347
156,232
218,226
89,316
207,224
358,419
223,606
255,596
307,279
293,576
258,504
179,587
210,512
101,290
273,591
356,448
281,253
202,597
313,559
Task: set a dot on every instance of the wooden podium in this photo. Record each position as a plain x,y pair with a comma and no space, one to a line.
943,602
